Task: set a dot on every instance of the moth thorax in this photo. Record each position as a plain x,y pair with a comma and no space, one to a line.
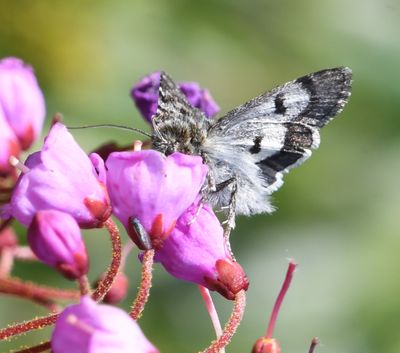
181,137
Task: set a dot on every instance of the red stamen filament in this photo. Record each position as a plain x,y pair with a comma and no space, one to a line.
18,165
314,343
74,321
279,299
145,285
231,326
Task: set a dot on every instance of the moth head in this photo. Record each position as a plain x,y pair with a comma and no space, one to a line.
181,137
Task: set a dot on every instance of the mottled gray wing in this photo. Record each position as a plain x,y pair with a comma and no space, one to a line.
280,127
172,103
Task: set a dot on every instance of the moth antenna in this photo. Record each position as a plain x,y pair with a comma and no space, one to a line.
122,127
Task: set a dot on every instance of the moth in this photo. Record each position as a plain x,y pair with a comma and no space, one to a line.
251,148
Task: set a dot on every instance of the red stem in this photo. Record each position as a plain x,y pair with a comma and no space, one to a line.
231,326
279,299
105,285
35,292
37,349
145,285
84,285
27,326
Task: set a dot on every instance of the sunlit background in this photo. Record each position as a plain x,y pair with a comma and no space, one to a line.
338,214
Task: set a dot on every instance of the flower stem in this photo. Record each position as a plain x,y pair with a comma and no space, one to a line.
37,349
108,279
145,285
314,343
205,293
84,285
231,326
32,291
24,327
285,286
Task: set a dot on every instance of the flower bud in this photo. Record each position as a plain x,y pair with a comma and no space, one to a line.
61,177
21,100
147,187
118,290
88,327
9,146
196,252
55,238
145,96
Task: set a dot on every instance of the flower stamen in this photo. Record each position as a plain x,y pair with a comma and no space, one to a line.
16,163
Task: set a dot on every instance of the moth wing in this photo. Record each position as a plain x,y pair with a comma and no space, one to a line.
278,129
172,103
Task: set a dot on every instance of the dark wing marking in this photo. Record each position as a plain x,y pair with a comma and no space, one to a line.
329,90
280,127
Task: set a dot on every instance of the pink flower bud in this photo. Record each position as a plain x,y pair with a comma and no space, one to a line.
153,189
88,327
62,177
9,146
21,100
55,238
195,251
118,290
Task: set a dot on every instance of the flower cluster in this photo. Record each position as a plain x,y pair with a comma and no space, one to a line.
61,190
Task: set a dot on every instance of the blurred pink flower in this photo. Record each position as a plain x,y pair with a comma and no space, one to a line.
9,146
21,100
88,327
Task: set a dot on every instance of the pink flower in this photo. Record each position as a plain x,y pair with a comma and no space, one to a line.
153,189
195,251
145,96
21,100
55,238
9,146
61,177
88,327
199,98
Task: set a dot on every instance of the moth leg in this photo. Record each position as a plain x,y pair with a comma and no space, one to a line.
210,185
229,223
199,207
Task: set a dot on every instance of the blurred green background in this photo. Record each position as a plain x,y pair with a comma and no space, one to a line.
338,214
